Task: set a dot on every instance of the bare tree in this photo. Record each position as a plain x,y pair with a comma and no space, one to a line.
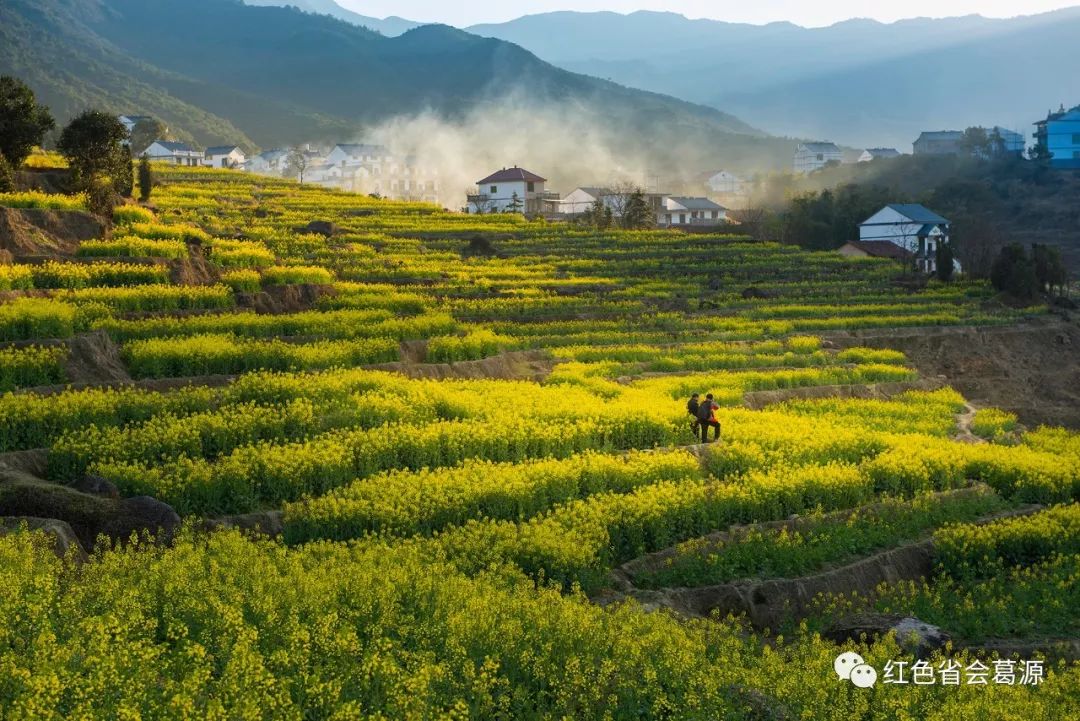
982,241
619,198
753,221
481,202
296,164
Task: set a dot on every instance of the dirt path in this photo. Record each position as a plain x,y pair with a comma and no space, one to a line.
964,420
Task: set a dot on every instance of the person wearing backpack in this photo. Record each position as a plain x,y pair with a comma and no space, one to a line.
707,419
692,409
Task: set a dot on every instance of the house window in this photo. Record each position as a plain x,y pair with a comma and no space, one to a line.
682,218
820,156
1076,139
1076,155
714,214
494,189
530,187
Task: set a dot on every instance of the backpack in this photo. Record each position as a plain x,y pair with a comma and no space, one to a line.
692,407
705,411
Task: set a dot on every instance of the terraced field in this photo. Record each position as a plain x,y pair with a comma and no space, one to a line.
427,465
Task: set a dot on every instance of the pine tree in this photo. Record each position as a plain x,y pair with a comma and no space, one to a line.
515,205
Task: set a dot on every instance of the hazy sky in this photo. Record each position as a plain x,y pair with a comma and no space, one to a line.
802,12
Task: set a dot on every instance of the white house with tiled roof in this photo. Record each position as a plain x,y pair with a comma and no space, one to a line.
224,156
583,198
679,210
877,154
911,227
815,156
169,151
511,190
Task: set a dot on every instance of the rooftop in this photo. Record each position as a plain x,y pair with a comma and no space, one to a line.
940,135
175,147
881,249
821,147
696,203
509,175
917,213
221,150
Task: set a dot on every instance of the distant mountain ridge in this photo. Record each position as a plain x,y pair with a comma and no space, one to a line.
391,26
264,76
859,82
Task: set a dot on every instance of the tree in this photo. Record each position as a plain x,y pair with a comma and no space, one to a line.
7,176
598,215
1013,272
755,221
515,205
23,123
997,144
125,178
145,132
975,141
92,143
296,164
637,214
146,179
943,261
1050,271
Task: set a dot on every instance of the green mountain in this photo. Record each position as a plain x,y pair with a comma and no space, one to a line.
225,71
390,26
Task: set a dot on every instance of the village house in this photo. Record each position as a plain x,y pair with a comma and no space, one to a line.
1010,143
511,189
878,153
677,210
910,227
938,142
224,156
168,151
268,162
130,121
582,199
374,169
722,182
815,156
875,249
1059,134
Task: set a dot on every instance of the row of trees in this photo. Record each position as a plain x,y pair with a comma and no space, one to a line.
1025,275
94,143
625,208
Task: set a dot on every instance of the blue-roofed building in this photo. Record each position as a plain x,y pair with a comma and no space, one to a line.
912,227
1059,134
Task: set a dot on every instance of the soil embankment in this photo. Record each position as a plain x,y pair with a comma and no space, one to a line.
35,232
1030,368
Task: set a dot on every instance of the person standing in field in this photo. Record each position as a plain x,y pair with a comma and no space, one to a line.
707,419
692,409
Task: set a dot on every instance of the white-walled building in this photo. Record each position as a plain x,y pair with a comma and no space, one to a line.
169,151
224,156
911,227
878,153
371,168
582,199
815,156
678,210
723,182
510,190
268,162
